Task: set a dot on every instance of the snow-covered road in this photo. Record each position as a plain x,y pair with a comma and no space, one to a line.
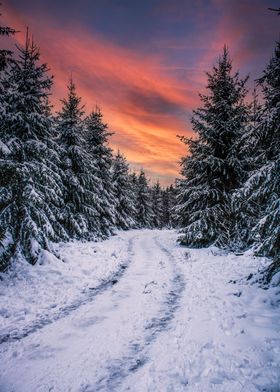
158,318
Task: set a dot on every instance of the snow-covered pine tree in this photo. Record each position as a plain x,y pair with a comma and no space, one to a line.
133,181
96,136
262,189
124,197
173,190
143,202
165,208
246,211
30,181
269,228
80,215
168,203
213,168
157,205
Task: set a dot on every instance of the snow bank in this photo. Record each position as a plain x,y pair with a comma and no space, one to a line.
31,295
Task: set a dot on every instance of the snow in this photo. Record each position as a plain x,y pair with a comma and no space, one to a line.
138,312
4,148
32,294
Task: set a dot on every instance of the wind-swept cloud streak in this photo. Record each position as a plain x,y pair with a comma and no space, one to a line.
148,91
144,106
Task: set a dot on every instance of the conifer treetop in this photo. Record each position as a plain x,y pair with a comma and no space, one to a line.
71,106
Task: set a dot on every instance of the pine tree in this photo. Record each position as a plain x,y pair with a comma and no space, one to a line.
173,191
165,208
262,190
80,215
125,207
157,205
168,204
96,135
247,211
143,202
133,182
213,170
268,228
30,185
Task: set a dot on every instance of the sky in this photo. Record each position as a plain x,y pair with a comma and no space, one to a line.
144,62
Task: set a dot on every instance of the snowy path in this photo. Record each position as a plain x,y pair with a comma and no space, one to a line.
164,319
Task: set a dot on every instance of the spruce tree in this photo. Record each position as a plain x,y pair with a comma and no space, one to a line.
143,202
262,190
172,192
133,182
157,205
80,214
247,211
97,135
168,204
30,184
165,208
125,207
269,228
213,169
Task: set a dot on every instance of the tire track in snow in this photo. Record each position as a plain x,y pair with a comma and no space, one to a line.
45,319
138,356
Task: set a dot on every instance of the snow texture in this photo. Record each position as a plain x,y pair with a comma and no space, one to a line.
137,313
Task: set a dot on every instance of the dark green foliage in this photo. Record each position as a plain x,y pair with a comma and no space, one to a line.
168,205
213,169
31,188
230,193
96,145
144,211
246,212
258,199
262,189
81,210
124,196
157,206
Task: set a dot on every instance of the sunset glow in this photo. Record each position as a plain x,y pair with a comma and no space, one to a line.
147,76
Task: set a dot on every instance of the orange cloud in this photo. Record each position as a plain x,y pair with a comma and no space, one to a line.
146,100
142,104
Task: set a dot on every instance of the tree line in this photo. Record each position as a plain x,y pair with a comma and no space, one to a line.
59,178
